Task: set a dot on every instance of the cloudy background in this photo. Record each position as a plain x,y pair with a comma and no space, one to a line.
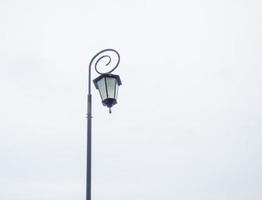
188,123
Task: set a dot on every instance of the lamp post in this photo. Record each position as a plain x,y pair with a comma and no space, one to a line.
107,84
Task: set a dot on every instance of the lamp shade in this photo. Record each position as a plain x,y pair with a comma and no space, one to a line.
107,85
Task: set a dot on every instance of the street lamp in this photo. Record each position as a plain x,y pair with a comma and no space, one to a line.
107,85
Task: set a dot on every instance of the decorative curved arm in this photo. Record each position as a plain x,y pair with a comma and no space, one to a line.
98,60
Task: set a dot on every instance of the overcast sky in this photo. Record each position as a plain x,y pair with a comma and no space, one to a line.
188,121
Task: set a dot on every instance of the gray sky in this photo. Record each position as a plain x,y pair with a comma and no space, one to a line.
188,121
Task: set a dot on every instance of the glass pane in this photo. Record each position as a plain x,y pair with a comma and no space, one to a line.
102,88
116,93
111,82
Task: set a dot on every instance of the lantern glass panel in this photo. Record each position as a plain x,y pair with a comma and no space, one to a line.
111,82
102,88
116,91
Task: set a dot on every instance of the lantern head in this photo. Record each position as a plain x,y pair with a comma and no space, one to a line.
107,85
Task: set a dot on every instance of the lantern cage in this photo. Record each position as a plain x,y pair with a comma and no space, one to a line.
107,85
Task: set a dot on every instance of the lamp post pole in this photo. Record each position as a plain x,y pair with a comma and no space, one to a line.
89,147
89,115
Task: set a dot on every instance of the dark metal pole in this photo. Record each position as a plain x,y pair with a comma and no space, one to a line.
89,147
89,135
